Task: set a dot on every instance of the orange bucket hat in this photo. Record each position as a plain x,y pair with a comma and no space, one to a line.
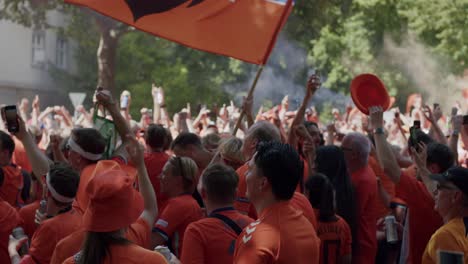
82,197
113,202
368,90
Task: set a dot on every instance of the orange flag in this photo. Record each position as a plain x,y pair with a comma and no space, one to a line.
242,29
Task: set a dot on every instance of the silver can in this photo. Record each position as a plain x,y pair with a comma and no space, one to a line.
43,206
164,251
391,229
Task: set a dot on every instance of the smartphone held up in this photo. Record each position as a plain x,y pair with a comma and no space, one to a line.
10,115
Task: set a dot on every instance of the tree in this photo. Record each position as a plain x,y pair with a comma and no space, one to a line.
32,13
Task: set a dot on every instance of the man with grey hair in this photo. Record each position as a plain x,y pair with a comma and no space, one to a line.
356,148
262,131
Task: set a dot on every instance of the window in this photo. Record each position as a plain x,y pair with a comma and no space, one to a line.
61,53
38,48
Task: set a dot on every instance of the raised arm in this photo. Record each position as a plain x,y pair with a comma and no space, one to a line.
136,153
313,85
39,162
435,128
456,130
420,158
384,151
104,98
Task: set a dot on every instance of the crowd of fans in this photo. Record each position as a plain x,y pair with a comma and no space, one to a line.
99,187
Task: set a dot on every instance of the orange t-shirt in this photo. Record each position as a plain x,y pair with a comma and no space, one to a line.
211,241
423,219
387,184
336,240
20,157
28,215
242,203
155,162
50,232
128,254
280,235
365,186
301,203
10,191
9,219
178,214
139,233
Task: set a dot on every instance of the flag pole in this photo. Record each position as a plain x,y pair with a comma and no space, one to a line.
249,95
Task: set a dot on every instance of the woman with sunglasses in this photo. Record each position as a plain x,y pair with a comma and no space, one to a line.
178,182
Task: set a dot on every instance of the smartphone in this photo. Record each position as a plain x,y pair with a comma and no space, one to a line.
124,102
454,111
11,118
413,133
450,257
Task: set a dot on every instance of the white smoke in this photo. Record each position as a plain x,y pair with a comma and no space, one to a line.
285,74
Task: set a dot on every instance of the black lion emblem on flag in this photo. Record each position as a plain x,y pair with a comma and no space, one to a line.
141,8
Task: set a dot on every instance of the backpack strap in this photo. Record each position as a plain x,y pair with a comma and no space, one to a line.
228,221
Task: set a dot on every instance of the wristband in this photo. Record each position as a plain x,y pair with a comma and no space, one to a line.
455,132
162,105
379,131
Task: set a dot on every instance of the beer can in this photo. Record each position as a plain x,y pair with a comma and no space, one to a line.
165,252
43,206
18,233
391,229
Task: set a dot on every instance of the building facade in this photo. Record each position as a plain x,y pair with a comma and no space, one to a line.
27,55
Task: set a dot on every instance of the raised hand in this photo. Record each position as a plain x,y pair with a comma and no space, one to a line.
135,150
104,97
376,117
313,84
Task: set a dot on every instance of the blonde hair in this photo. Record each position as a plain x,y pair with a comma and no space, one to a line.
187,169
231,149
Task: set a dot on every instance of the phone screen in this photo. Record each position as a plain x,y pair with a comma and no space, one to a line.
11,116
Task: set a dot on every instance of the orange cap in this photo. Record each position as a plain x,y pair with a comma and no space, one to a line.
113,202
82,197
368,90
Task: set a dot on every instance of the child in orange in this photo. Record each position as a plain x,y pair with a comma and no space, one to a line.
332,230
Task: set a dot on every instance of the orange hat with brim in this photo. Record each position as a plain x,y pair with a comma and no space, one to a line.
82,198
368,90
113,202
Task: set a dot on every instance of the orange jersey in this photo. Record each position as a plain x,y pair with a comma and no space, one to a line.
155,162
9,219
300,202
50,232
242,203
178,214
451,237
365,186
336,241
423,219
210,240
280,235
131,254
387,184
139,233
28,215
10,191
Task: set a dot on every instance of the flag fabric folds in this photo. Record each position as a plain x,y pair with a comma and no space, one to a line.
242,29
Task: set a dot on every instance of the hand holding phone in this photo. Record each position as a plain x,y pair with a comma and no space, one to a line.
10,115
